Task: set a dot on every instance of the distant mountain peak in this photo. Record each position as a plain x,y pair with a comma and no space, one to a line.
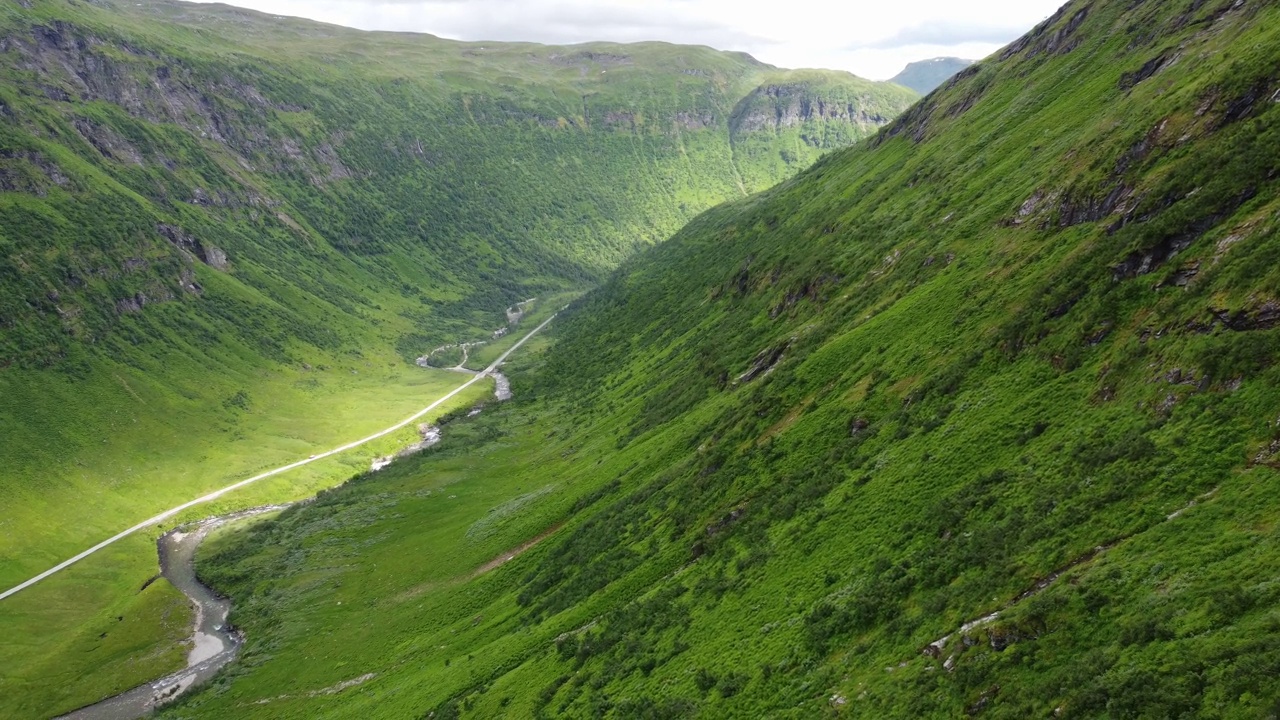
925,76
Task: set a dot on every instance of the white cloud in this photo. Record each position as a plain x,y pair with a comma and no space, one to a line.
872,38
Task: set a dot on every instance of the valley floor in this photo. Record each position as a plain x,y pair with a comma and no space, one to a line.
92,615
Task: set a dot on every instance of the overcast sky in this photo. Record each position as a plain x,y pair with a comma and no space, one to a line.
873,38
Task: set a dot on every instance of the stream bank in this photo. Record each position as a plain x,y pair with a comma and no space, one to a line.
213,644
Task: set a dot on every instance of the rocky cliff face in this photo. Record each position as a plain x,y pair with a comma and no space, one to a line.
73,65
774,107
790,120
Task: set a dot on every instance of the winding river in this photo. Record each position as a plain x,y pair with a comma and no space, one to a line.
214,644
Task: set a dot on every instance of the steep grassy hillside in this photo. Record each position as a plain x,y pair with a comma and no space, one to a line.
926,75
977,418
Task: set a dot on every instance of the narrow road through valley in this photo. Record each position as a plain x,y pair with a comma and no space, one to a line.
314,458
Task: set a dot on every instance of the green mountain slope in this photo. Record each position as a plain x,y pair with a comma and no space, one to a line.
977,418
199,203
926,75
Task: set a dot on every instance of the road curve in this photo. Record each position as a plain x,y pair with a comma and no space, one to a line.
231,488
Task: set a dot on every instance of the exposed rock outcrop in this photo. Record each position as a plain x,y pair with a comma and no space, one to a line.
764,363
770,107
1051,37
210,255
108,142
1130,80
701,120
1263,317
29,172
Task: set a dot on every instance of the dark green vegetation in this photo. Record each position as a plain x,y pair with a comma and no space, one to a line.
1017,354
224,237
926,75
